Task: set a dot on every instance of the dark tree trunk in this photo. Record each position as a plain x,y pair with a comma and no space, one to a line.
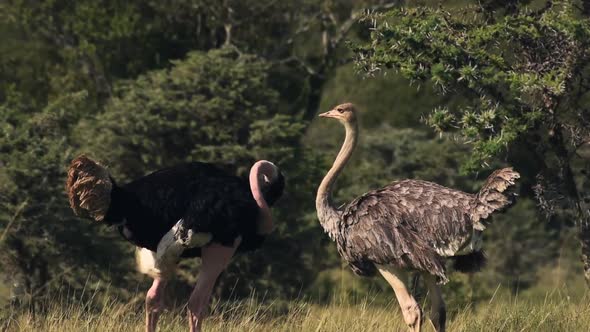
316,86
584,236
577,201
583,228
583,222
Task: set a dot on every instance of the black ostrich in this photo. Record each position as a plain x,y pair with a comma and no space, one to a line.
190,210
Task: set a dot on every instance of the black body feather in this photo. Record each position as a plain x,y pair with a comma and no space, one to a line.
469,263
207,198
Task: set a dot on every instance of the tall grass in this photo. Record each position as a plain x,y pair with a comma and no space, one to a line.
554,312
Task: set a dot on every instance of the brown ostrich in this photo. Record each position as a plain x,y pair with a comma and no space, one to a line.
408,225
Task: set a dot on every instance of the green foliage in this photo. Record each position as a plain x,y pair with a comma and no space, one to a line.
215,107
160,89
386,98
39,248
200,109
521,73
513,70
515,233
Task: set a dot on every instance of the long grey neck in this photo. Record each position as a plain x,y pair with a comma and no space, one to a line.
328,212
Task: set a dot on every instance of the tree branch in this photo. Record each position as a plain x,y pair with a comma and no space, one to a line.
295,59
330,42
17,212
355,15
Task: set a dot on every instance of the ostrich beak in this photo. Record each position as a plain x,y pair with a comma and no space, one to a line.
328,114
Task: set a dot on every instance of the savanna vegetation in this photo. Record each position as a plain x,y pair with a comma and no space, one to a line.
448,91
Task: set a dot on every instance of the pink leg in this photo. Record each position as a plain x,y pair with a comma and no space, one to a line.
154,303
215,259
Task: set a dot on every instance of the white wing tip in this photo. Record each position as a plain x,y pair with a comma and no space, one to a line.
145,260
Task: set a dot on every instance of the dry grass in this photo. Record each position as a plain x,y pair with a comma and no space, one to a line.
554,313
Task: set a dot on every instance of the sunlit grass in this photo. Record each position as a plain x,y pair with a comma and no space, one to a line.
555,312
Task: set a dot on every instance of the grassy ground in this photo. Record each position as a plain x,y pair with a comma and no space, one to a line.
553,313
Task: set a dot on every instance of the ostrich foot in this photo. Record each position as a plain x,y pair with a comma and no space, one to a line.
413,316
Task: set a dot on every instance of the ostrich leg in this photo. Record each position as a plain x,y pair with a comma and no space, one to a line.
154,300
410,308
161,265
154,303
215,259
438,312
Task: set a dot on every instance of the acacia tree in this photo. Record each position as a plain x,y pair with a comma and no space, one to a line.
523,77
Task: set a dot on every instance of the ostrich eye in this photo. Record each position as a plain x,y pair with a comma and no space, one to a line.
340,110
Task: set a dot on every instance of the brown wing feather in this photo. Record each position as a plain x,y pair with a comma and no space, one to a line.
405,224
414,224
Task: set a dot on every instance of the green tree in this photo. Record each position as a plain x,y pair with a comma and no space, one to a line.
523,243
92,44
52,49
523,75
218,107
42,246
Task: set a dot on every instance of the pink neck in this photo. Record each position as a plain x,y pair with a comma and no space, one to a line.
260,168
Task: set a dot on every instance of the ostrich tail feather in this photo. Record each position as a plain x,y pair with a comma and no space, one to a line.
89,187
469,263
495,194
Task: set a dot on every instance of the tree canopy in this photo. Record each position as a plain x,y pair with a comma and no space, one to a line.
522,81
452,91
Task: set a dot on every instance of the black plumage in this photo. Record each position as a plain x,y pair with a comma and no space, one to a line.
193,209
208,199
470,263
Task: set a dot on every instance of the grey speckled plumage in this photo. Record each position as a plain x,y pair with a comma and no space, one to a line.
409,225
415,224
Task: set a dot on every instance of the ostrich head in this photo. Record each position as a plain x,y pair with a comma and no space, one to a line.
266,184
273,184
270,182
345,113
